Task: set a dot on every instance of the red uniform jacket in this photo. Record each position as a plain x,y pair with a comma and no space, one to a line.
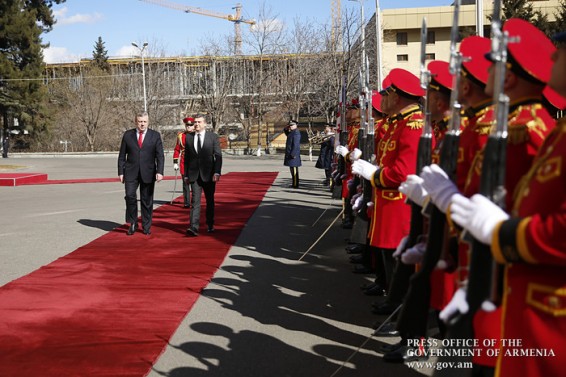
179,151
352,128
529,123
532,245
397,158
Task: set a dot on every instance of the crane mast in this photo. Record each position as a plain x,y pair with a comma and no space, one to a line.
235,18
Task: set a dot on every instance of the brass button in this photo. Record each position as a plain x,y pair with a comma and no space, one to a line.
553,302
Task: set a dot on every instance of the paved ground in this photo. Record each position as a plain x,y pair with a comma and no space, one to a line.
264,313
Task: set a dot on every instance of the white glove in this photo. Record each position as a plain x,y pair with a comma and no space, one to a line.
439,186
364,168
413,188
175,167
355,155
400,247
355,197
478,215
342,150
458,305
358,203
370,204
414,254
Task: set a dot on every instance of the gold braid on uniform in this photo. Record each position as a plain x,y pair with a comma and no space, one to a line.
413,124
509,243
520,126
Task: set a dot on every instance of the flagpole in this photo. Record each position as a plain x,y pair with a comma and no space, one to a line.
378,41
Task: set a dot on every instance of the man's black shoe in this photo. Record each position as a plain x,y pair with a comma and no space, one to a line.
375,290
386,348
387,330
356,249
385,309
361,269
132,230
147,232
192,232
405,354
211,229
358,258
347,225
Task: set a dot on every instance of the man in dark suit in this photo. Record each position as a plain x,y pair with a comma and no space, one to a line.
140,163
203,164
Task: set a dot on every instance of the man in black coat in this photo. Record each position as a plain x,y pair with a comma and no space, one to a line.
140,163
293,152
203,164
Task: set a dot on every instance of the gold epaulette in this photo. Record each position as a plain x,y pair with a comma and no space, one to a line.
523,121
415,124
485,121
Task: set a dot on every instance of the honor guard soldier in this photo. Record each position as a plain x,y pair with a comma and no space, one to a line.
179,157
350,153
396,157
412,321
528,124
530,243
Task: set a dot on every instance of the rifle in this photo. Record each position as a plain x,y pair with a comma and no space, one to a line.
340,139
414,315
483,275
370,141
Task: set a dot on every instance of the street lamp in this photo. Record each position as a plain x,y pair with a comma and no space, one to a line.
143,72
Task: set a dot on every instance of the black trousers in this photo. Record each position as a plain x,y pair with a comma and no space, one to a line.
197,187
186,192
294,175
146,201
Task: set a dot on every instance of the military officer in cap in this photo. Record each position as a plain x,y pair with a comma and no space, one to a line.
293,152
396,158
179,157
530,242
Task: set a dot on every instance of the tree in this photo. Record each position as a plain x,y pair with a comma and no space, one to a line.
84,110
560,15
524,9
21,62
266,37
100,56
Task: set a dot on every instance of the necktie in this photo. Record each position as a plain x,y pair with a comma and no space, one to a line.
199,143
140,139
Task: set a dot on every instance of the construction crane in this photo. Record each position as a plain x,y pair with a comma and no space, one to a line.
235,18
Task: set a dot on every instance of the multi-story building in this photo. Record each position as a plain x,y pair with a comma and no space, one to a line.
402,29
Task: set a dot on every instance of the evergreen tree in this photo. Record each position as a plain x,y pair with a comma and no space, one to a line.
100,56
524,9
560,24
21,61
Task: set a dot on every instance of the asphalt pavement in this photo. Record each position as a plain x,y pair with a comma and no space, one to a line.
265,313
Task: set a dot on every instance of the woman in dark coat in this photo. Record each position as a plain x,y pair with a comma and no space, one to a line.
293,152
326,154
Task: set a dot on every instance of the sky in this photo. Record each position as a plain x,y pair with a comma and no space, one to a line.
171,31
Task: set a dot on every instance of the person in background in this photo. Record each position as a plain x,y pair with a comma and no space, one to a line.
326,153
140,164
179,157
293,152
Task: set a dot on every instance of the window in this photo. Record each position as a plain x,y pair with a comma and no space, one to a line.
430,37
403,58
431,56
402,39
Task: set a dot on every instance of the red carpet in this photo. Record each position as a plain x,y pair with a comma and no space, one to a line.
21,179
109,307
